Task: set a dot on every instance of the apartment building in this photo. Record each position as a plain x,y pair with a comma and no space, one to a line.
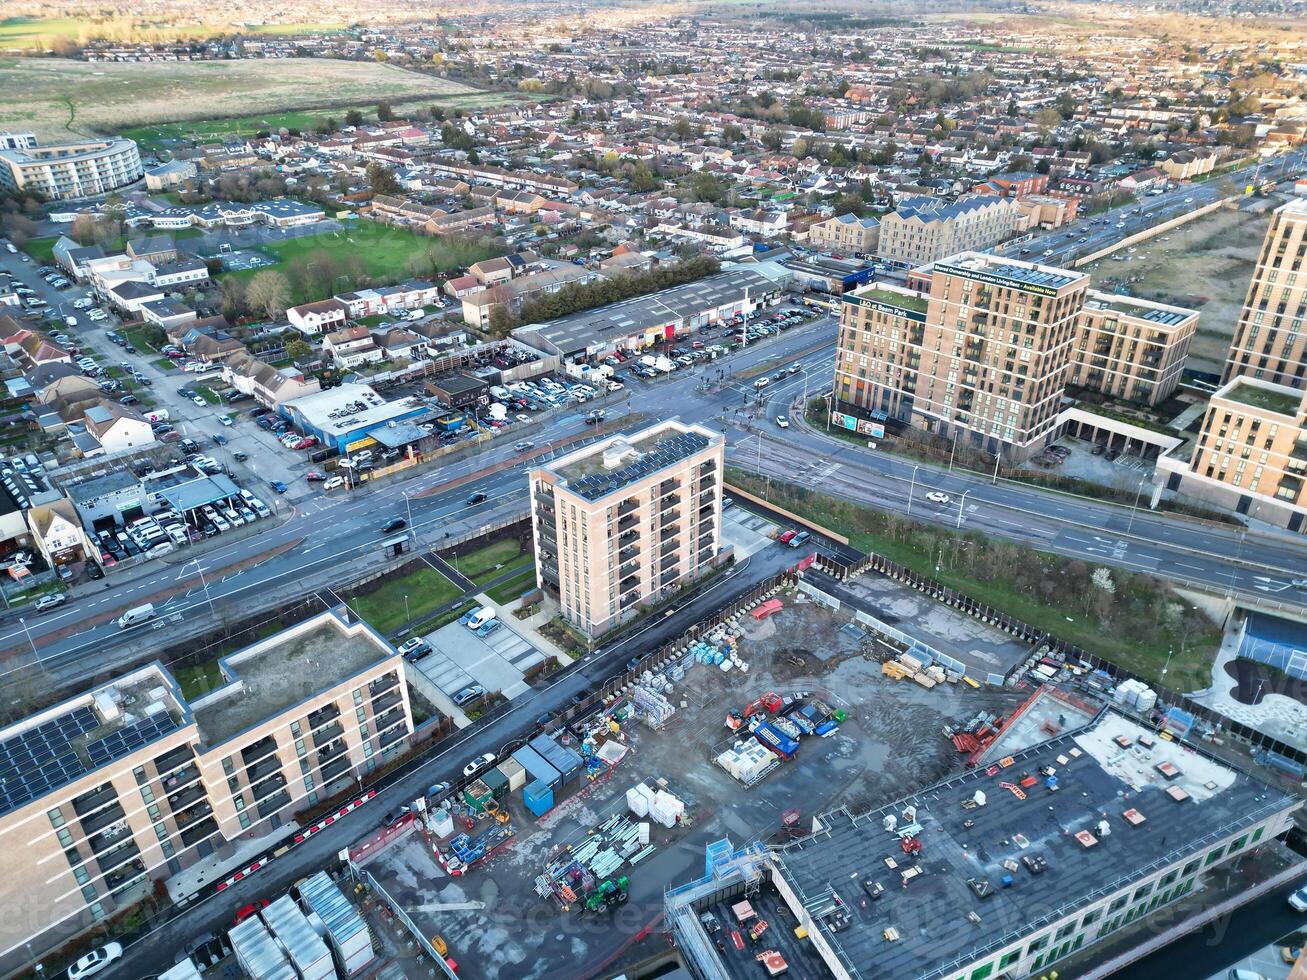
923,229
623,522
1113,826
845,233
982,355
130,781
1130,348
69,171
1270,342
1251,454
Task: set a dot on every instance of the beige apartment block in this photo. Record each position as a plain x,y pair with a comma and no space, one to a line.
1130,348
68,171
845,233
1251,455
923,229
130,782
628,520
982,356
1270,341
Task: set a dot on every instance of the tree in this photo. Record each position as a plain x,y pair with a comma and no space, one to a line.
231,298
381,178
353,118
1047,118
799,148
384,112
643,179
705,187
83,230
501,321
299,351
268,293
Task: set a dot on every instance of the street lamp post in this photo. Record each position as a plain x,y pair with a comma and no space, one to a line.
912,487
961,504
204,582
1138,491
408,617
952,451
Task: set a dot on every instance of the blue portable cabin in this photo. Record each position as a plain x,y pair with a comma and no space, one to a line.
536,767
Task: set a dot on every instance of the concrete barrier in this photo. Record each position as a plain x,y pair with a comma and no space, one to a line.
1147,233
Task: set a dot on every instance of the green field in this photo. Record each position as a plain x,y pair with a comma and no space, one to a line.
154,138
24,33
492,561
514,588
425,588
385,252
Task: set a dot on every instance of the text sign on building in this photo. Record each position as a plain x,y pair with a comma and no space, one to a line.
993,280
853,424
878,307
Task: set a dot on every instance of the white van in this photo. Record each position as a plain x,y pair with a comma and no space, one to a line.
136,615
482,616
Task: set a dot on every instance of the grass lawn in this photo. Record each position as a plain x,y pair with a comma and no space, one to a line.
385,251
198,680
385,609
136,337
207,393
514,587
41,249
163,364
1194,642
492,561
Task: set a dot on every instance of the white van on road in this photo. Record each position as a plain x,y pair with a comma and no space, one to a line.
136,615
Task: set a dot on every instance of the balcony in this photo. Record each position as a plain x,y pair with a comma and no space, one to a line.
198,812
627,523
628,553
328,752
199,831
628,506
180,778
268,786
629,600
325,735
257,750
263,769
125,877
668,535
109,838
668,517
328,712
669,576
396,734
671,499
705,556
102,818
388,700
707,466
630,568
184,798
390,718
383,684
118,855
171,760
334,769
94,800
629,582
272,804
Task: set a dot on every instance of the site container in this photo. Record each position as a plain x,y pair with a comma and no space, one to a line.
497,782
538,797
778,742
307,952
477,795
185,970
536,767
346,932
567,762
514,773
258,953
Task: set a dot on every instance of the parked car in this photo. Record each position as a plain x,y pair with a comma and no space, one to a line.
51,601
333,483
250,909
489,627
414,649
1298,900
96,961
278,486
786,536
799,539
473,767
468,694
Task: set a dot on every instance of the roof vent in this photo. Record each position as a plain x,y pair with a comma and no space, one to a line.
618,454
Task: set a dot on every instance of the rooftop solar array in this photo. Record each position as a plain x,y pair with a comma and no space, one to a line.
1021,274
129,738
1167,318
41,759
663,454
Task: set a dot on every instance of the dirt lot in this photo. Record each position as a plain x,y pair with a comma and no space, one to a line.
1204,265
52,96
890,744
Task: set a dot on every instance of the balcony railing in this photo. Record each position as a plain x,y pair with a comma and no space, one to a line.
263,769
199,831
627,507
94,800
187,796
259,749
324,735
396,714
335,768
383,684
197,812
176,757
328,712
271,785
273,803
396,734
385,701
180,778
125,877
102,818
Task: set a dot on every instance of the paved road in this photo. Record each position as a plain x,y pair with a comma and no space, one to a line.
1099,231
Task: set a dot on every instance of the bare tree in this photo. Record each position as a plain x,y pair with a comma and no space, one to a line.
269,293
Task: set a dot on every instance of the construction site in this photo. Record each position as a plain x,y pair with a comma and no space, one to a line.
785,711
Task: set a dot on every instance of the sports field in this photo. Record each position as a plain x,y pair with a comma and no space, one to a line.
56,97
385,251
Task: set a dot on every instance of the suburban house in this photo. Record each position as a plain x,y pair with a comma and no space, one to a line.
352,347
271,387
315,319
58,534
167,313
133,294
116,428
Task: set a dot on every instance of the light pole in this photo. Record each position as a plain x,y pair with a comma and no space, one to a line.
1135,506
912,487
207,595
994,479
961,504
408,506
1166,665
408,617
952,451
30,642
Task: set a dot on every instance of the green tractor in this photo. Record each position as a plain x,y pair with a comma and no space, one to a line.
610,893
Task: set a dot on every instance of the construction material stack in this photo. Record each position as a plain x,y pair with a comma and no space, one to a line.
345,931
906,666
748,761
652,704
1135,695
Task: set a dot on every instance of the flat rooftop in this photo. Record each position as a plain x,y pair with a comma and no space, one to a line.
351,407
1158,314
902,298
1107,772
280,672
1020,275
621,461
1279,399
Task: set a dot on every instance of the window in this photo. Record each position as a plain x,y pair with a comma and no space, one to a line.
1238,843
1192,866
295,728
228,766
65,837
97,910
1009,958
1065,931
1092,916
160,831
153,811
300,750
1117,904
1257,834
358,695
1036,945
168,849
139,773
147,794
56,818
82,875
1142,891
88,893
244,819
981,972
1212,857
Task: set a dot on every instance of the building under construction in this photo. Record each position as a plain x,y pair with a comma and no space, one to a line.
1003,870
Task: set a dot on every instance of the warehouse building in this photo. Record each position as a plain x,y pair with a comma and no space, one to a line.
130,781
342,418
637,323
991,873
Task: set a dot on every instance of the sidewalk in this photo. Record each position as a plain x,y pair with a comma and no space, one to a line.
183,885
